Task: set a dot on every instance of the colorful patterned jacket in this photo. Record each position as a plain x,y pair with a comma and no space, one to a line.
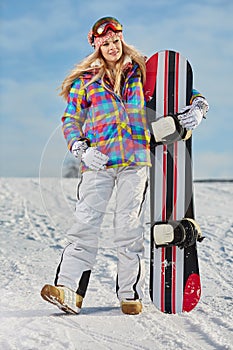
116,126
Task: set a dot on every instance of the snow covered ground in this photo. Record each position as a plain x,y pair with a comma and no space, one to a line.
34,217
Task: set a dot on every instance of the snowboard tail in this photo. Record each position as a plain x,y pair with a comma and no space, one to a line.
174,273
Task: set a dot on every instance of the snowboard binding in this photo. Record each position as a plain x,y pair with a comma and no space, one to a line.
183,233
167,130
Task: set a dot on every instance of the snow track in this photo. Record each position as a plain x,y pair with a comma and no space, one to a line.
34,218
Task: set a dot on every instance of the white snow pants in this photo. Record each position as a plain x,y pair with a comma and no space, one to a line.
94,192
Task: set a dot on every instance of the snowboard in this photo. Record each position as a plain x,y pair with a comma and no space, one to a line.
175,285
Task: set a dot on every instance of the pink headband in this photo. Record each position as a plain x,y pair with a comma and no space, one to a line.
98,41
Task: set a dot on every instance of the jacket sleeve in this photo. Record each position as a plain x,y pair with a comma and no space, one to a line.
75,113
195,94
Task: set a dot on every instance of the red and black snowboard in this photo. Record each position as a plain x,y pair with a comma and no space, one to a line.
175,285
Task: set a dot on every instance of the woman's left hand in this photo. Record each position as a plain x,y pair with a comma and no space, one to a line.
191,116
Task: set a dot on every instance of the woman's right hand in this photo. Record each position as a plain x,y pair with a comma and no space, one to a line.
94,159
78,148
91,157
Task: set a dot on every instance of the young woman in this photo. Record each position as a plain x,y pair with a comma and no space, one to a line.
105,125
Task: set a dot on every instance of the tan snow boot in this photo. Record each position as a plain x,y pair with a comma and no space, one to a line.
65,298
131,307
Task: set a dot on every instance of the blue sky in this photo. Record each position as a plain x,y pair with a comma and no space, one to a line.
42,40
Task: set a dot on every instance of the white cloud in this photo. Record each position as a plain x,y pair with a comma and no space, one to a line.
54,27
30,113
41,43
213,165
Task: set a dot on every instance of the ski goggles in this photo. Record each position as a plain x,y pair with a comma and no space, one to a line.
104,24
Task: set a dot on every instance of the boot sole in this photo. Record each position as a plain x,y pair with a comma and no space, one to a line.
52,295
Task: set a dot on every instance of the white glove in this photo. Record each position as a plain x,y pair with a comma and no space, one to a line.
78,148
90,156
191,116
94,159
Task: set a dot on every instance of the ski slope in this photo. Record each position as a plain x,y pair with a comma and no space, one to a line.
35,215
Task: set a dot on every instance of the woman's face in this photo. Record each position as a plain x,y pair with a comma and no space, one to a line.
112,50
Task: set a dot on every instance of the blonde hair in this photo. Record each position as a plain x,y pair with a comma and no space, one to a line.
100,71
